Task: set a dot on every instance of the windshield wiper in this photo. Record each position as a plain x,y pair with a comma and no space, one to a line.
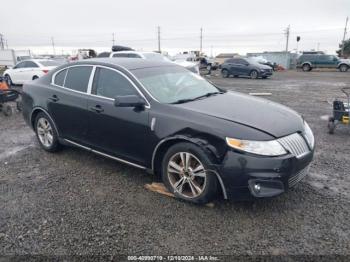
181,101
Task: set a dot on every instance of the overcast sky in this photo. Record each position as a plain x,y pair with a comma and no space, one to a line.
228,26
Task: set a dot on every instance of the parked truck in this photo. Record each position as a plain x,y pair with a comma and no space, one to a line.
10,57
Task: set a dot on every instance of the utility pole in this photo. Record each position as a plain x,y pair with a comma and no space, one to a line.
201,42
2,41
7,46
344,36
159,39
113,39
53,45
287,31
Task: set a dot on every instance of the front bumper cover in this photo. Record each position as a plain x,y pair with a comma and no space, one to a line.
241,172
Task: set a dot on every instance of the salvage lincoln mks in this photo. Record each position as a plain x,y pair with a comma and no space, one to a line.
202,140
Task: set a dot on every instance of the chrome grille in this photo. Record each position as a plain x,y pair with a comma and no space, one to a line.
295,144
293,180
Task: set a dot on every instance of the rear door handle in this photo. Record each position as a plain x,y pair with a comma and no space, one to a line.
97,109
54,98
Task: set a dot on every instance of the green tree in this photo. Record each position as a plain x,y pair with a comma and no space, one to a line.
346,49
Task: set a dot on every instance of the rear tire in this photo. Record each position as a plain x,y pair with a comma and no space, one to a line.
306,68
224,73
35,77
46,133
189,181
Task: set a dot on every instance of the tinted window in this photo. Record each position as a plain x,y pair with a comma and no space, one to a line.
30,64
78,78
134,56
51,63
240,61
109,83
59,79
120,55
229,60
19,65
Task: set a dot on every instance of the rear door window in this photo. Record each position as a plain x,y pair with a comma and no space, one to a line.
19,65
30,64
78,78
109,83
121,55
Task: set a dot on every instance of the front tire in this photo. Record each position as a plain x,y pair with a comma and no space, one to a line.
254,74
343,68
224,73
46,133
8,81
184,173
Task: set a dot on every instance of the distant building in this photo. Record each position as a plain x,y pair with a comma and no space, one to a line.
285,59
220,58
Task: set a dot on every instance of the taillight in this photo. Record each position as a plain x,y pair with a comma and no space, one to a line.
45,71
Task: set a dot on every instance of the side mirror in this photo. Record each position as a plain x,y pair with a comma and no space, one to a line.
129,101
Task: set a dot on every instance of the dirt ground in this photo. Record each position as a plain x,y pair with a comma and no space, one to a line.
75,202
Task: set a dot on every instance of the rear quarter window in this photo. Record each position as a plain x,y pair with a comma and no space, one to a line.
78,78
59,78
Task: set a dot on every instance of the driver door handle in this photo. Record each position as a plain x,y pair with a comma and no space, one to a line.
97,109
54,98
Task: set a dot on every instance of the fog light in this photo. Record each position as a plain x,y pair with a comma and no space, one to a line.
257,187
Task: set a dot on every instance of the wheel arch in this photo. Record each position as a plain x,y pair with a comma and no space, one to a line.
34,114
306,63
166,143
343,64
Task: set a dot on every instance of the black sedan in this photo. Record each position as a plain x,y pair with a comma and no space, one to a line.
164,119
245,67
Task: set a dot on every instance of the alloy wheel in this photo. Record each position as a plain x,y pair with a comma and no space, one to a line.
186,175
45,132
343,68
254,74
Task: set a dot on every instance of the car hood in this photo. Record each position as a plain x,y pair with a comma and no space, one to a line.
185,63
264,115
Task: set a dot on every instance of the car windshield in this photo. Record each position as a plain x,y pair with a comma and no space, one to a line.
155,57
173,84
50,63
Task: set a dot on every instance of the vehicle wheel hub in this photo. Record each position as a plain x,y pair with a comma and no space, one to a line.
44,131
186,174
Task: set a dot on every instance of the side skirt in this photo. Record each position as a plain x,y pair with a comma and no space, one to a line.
104,154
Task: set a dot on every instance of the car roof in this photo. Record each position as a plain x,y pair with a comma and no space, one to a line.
134,52
128,63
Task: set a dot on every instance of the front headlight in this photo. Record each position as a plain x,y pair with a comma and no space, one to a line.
309,135
264,148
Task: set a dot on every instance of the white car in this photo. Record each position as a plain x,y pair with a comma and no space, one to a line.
29,70
193,67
